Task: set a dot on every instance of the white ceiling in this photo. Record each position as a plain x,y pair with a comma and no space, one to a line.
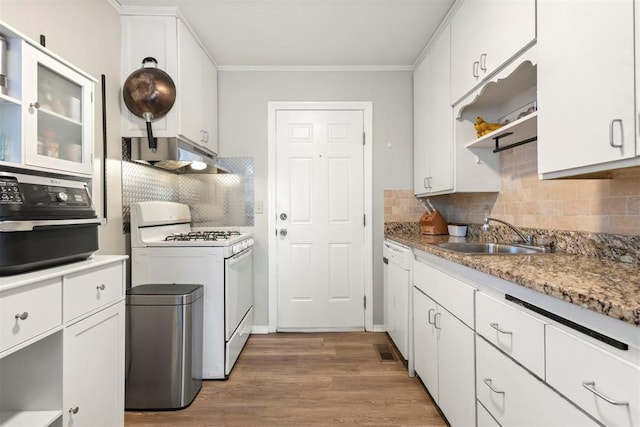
309,33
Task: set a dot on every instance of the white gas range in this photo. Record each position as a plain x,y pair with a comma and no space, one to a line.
166,249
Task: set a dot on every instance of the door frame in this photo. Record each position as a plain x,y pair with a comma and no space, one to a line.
367,109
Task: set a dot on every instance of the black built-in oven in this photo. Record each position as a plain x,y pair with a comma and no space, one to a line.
44,221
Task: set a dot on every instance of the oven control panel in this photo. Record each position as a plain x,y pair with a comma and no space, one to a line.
9,192
34,197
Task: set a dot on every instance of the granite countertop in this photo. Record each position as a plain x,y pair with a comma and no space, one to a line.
608,287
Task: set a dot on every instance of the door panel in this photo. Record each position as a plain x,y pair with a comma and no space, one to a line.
320,189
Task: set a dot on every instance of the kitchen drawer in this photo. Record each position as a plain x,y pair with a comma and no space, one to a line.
516,333
484,417
453,294
41,306
572,362
88,290
515,397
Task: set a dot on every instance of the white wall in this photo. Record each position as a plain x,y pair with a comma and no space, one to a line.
87,34
243,98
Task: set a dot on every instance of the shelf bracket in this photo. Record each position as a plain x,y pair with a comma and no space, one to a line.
515,144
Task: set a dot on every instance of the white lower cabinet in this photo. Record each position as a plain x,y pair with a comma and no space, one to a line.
513,396
62,357
443,341
444,359
93,372
603,384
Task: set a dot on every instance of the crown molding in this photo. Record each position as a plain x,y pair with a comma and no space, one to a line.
350,68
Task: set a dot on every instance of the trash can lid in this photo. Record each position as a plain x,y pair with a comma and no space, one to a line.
164,294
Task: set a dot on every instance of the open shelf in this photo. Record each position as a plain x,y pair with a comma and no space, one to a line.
29,418
510,135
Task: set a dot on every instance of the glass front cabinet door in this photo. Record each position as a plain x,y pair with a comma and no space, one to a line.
58,115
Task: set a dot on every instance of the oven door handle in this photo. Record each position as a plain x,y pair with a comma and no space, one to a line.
239,256
10,226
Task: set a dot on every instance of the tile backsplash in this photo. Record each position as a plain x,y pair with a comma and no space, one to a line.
609,206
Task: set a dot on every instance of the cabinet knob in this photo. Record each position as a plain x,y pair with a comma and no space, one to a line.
74,410
22,316
35,105
101,287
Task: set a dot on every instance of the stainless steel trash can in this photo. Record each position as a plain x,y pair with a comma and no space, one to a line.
163,346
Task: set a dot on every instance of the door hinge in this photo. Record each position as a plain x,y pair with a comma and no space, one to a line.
365,301
364,138
364,220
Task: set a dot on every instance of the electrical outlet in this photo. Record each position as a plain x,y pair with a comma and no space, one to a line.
258,208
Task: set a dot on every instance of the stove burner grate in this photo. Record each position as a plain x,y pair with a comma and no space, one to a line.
201,235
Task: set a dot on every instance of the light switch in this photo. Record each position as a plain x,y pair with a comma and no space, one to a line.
258,208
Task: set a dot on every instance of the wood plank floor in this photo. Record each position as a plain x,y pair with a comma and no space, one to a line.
323,379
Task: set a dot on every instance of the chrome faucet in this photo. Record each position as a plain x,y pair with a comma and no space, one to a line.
485,227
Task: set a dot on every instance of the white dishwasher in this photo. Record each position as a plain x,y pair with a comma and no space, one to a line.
398,260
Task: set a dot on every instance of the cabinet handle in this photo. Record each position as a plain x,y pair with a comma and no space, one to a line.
476,73
74,410
488,382
431,311
497,328
22,316
483,62
611,141
425,183
35,105
435,320
591,386
206,136
101,287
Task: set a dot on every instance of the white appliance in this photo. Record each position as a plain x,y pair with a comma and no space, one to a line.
166,249
397,283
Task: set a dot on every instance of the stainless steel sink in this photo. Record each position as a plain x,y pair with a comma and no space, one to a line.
479,248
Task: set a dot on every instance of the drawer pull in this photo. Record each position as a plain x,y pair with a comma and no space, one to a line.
487,381
591,386
22,316
101,287
497,328
74,410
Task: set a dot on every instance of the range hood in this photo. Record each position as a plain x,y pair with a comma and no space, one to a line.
175,155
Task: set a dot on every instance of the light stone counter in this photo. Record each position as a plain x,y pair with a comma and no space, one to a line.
608,287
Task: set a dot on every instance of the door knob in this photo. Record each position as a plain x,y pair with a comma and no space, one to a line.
283,232
283,216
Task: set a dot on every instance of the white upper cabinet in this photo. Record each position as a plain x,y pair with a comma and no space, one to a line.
433,121
193,117
58,105
47,112
485,35
585,87
197,80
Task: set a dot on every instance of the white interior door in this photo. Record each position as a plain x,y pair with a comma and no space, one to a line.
320,220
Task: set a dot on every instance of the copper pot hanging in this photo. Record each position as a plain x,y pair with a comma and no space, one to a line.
149,93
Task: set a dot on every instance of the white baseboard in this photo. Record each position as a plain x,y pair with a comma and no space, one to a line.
260,329
379,328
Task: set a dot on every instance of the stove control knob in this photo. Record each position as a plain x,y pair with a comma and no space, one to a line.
250,242
62,196
235,249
